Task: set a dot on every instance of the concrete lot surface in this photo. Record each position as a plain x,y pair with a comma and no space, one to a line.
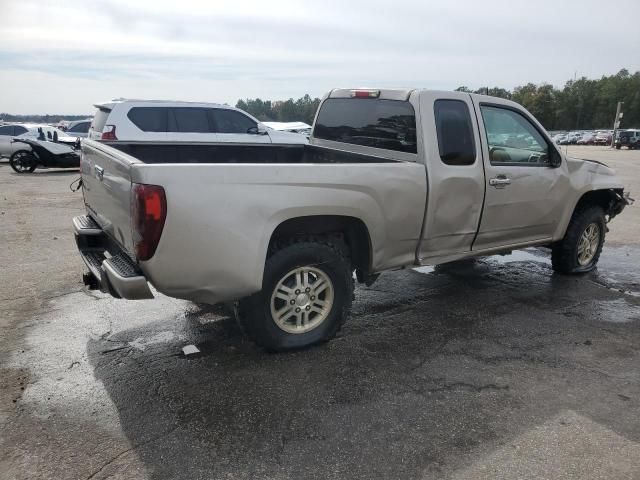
488,369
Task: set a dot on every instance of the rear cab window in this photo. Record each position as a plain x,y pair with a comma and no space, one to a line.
378,123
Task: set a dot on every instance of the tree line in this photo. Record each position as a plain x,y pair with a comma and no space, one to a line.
582,104
300,110
48,119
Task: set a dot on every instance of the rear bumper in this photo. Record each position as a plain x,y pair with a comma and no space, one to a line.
111,269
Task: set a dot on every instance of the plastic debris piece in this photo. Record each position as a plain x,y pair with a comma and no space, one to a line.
190,350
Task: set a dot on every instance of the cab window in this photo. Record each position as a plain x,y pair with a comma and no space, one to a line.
512,139
455,133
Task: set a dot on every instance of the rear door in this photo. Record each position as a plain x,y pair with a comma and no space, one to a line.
455,174
524,194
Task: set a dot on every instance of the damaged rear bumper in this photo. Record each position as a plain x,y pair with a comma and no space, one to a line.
110,268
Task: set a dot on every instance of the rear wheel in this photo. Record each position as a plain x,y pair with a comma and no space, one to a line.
306,297
23,161
579,250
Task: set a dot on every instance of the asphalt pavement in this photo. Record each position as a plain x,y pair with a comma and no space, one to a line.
488,369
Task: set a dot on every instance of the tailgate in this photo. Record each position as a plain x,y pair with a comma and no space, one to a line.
106,185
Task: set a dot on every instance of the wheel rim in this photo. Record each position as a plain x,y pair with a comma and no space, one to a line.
588,244
302,300
22,162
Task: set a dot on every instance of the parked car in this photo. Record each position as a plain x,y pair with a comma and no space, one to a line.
602,138
586,139
391,178
79,128
28,131
150,120
628,138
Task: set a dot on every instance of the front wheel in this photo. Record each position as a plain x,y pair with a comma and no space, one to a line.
579,250
306,297
23,161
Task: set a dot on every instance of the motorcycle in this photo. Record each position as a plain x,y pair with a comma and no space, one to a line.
44,154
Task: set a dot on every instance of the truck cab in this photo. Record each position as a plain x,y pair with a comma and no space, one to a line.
390,178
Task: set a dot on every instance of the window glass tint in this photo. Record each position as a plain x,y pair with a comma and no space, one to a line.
230,121
455,133
19,130
82,127
6,130
388,124
149,119
100,119
512,138
192,120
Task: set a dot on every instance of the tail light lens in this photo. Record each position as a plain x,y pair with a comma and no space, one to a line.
365,93
148,213
109,132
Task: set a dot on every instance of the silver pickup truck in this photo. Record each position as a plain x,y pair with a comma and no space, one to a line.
390,178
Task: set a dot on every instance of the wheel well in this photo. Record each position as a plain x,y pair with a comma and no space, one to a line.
607,199
350,230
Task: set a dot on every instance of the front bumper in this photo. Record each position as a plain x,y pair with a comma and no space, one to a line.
110,268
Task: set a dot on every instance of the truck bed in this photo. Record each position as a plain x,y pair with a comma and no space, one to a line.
225,202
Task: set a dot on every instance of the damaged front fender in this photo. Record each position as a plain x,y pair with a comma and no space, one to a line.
619,200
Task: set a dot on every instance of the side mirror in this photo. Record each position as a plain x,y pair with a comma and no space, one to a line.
555,159
258,130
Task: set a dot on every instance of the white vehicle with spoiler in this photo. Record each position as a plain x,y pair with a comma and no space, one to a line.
391,178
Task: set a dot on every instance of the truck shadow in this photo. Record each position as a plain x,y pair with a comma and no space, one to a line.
430,371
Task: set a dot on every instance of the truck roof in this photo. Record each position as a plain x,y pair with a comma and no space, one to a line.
399,93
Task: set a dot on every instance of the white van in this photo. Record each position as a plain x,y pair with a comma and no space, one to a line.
170,121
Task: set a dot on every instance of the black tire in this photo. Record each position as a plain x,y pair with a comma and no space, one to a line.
23,161
564,254
618,147
254,313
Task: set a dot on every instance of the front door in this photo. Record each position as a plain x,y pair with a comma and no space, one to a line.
523,196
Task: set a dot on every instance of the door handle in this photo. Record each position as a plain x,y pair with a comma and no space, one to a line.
99,171
500,181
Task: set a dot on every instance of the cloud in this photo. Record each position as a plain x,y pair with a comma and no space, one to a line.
221,51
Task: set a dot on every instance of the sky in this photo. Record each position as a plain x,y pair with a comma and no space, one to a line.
63,56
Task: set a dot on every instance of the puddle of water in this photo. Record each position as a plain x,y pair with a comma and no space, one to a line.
425,269
529,255
519,256
618,311
141,343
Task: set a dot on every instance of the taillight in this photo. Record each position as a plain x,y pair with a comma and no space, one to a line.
365,93
109,132
148,213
